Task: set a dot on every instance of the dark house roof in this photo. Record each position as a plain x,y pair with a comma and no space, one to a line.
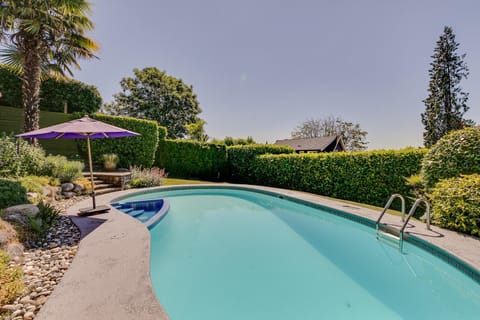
321,144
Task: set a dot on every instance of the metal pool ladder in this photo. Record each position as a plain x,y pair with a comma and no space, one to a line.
395,235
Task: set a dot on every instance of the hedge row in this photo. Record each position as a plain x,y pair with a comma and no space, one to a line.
138,150
240,160
79,96
365,177
190,159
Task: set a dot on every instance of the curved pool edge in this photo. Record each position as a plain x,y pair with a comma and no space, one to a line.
114,245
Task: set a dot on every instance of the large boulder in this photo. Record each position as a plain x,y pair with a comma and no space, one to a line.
19,213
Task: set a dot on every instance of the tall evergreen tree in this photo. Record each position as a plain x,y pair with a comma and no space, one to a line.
446,103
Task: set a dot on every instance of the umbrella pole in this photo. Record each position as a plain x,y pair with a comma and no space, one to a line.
89,151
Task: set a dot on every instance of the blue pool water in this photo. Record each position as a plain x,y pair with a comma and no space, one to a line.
232,254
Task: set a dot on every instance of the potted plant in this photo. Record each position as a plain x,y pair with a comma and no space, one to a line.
110,161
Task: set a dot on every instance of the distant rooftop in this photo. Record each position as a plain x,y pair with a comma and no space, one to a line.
320,144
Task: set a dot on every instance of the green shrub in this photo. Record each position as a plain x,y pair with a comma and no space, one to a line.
456,153
10,165
456,204
11,193
18,158
11,284
60,168
132,151
38,225
366,177
144,178
240,158
191,159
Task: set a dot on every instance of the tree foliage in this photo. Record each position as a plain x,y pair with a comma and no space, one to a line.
230,141
446,102
354,138
196,131
54,93
47,35
154,95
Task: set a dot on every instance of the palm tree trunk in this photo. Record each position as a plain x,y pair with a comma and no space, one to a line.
31,90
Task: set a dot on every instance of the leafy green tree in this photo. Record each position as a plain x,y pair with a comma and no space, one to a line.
154,95
446,102
354,138
43,35
196,131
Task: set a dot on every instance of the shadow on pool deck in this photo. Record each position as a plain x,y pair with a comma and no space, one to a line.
87,224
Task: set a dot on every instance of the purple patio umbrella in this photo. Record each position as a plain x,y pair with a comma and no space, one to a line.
83,128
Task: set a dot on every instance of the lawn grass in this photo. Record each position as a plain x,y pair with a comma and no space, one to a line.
11,121
176,182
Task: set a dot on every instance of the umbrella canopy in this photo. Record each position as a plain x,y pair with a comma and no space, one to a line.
83,128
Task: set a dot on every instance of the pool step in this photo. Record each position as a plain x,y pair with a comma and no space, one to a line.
136,213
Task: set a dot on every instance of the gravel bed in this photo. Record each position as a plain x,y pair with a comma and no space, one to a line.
44,264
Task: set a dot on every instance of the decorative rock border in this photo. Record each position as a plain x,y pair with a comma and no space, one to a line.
44,265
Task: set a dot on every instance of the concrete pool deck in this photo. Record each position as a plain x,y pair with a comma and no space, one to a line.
109,277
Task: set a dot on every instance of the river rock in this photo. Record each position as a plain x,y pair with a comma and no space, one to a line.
67,187
68,194
78,188
14,250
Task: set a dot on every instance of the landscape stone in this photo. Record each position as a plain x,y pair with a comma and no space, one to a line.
28,209
68,194
78,188
67,187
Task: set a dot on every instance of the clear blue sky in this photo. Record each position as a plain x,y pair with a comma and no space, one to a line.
261,67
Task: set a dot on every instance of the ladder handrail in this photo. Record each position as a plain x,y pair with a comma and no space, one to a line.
389,203
412,210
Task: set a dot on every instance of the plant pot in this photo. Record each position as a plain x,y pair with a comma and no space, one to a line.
109,166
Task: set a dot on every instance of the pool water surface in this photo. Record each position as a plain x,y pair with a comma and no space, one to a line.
233,254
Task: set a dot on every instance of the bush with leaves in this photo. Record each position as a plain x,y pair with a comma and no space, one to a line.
60,168
11,284
11,193
143,178
456,153
456,204
18,158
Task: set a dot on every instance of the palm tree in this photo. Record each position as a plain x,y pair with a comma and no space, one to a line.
43,35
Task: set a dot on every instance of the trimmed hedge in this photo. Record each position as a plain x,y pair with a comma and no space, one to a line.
240,158
131,151
365,177
80,97
191,159
456,153
456,204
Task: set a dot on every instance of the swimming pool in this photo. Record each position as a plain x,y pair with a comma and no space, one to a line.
235,254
